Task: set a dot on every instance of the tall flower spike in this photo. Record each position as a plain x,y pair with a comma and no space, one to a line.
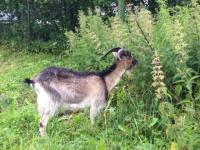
116,30
72,38
158,77
133,25
95,39
178,41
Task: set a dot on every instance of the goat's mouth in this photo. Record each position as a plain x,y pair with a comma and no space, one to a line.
129,73
130,67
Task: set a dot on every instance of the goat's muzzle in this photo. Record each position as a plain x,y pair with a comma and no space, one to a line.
134,62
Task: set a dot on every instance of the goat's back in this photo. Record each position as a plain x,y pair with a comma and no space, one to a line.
62,84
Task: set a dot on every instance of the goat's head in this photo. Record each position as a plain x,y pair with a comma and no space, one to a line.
123,56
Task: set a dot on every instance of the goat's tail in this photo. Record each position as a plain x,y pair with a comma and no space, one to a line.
29,82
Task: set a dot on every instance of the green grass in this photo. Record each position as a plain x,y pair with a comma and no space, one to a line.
19,118
132,117
135,118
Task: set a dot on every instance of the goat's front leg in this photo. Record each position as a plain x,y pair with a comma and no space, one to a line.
93,113
95,110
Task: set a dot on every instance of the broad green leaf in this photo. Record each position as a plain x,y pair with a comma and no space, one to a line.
178,89
152,122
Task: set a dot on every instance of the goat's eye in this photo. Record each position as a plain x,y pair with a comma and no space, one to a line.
124,57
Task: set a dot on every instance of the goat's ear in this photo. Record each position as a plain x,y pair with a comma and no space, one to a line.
116,55
113,50
123,54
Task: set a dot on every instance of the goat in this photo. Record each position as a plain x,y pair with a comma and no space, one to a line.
61,88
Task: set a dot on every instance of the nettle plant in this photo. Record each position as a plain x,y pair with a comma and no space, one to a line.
95,36
166,72
172,37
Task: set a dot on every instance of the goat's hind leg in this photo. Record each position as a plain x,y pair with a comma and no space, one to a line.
46,112
43,123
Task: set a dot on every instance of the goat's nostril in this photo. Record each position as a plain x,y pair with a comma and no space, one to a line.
134,62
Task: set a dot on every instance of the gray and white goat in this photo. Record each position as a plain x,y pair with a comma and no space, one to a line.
61,88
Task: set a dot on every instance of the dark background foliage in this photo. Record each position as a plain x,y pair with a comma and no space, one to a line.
38,21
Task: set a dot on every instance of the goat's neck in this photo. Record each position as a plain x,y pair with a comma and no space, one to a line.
113,78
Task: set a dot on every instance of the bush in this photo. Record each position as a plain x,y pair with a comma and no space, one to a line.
174,40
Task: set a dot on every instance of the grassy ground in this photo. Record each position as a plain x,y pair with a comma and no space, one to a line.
18,115
146,112
132,120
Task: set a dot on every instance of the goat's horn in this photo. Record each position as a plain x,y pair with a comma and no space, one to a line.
111,50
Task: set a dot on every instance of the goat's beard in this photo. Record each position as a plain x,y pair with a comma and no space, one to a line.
129,73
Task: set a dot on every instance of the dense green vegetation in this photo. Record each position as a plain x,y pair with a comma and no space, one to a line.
148,110
41,24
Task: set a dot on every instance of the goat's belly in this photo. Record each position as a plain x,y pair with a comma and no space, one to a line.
76,106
